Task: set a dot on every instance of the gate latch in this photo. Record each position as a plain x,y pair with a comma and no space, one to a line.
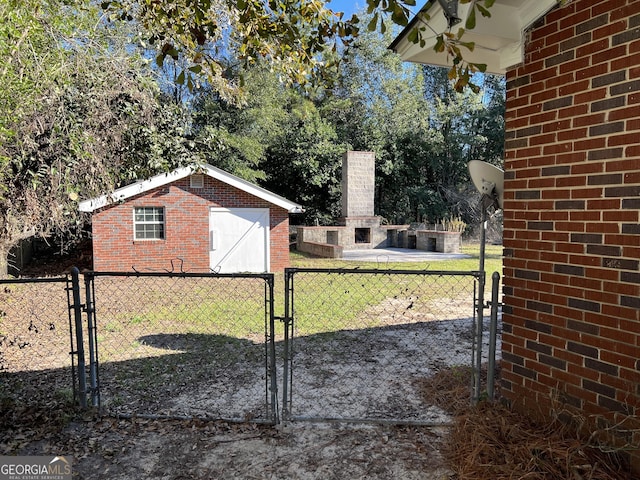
285,320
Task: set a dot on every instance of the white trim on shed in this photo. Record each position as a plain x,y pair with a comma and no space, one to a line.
143,186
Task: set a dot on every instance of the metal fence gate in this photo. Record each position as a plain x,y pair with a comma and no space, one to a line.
353,345
193,345
38,343
359,344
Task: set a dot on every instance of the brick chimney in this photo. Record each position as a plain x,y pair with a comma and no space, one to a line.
358,189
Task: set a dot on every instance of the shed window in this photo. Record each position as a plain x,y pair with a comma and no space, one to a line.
197,181
148,223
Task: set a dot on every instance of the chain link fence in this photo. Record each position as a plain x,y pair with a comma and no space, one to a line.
361,344
183,345
353,345
37,336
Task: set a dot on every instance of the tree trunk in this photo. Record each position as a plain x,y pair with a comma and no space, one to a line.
14,256
4,256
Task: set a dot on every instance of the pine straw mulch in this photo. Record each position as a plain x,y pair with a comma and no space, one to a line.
492,442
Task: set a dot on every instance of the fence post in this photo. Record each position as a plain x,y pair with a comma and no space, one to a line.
288,334
77,312
93,344
273,386
479,315
493,333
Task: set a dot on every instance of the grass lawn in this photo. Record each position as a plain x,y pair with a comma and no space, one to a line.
493,261
331,302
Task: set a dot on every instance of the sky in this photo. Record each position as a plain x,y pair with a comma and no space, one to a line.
349,7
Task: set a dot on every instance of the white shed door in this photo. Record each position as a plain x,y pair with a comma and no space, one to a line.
239,240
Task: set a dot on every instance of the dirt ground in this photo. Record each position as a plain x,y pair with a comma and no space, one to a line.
154,449
144,448
490,444
486,443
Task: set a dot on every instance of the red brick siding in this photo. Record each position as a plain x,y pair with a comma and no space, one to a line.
186,229
571,223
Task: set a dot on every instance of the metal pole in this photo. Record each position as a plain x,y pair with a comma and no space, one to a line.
77,311
272,355
480,312
93,352
287,340
493,333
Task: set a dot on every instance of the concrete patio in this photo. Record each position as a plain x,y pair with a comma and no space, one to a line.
386,255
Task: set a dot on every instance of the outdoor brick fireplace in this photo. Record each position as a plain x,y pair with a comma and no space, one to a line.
359,228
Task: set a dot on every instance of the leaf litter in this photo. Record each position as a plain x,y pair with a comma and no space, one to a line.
486,442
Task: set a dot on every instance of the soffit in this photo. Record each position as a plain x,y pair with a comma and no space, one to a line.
499,39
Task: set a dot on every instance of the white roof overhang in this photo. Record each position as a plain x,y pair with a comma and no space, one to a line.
124,193
499,39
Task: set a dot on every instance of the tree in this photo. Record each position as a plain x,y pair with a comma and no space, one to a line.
80,116
289,35
303,163
23,35
388,113
236,137
423,131
277,138
490,121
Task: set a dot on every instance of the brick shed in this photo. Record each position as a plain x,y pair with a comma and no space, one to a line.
194,219
571,314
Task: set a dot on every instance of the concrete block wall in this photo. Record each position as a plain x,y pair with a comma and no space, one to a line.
376,235
340,236
358,184
324,250
571,219
444,242
397,236
186,229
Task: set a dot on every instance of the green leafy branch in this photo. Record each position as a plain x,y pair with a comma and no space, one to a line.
290,35
451,44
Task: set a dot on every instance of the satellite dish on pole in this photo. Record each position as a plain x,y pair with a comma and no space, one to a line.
489,180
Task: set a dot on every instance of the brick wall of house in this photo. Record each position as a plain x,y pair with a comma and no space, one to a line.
571,223
187,228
